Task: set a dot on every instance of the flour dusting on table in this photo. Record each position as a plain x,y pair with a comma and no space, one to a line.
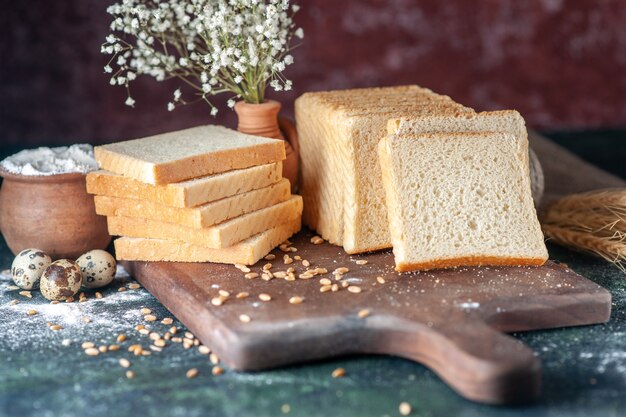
107,316
52,161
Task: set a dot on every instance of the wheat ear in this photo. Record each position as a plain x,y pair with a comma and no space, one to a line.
611,197
602,222
609,249
593,222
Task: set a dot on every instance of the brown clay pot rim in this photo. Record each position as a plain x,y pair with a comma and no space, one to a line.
55,178
266,103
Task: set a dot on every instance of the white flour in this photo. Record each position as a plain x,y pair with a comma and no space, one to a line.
117,312
52,161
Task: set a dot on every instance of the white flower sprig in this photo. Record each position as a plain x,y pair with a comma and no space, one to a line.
212,46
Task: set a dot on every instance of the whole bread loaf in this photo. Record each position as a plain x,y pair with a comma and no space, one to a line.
460,199
247,252
190,153
339,131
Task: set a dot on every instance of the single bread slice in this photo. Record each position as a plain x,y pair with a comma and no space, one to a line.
460,199
218,236
247,252
190,153
197,217
189,193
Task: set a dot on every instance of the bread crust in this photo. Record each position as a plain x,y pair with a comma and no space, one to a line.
219,236
186,194
469,261
247,252
206,215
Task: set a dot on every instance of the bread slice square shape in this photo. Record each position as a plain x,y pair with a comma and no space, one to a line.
460,199
185,154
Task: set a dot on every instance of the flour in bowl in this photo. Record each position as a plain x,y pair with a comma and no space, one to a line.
52,161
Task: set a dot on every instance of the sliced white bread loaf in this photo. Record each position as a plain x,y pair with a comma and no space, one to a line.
190,153
341,179
460,199
196,217
219,236
247,252
188,193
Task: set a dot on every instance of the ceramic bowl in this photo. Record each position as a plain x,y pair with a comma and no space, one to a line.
53,213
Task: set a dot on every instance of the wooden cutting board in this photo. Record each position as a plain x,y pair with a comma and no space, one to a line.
452,321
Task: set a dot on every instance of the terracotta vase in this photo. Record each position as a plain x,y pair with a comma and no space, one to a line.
52,213
262,120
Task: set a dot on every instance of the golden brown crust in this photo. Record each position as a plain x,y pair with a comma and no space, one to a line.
247,252
469,261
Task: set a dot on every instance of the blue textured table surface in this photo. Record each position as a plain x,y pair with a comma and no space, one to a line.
45,372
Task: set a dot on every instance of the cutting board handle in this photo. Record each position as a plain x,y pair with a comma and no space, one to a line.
477,361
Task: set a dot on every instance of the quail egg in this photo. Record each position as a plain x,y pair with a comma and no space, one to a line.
61,280
97,267
28,266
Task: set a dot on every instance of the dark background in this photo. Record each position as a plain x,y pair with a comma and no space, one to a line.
561,63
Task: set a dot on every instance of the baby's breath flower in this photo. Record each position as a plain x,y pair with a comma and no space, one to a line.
231,103
275,84
213,46
130,102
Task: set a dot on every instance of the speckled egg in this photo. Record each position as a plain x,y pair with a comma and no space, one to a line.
61,280
28,266
97,267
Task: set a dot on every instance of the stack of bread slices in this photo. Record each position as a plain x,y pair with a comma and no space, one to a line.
205,194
